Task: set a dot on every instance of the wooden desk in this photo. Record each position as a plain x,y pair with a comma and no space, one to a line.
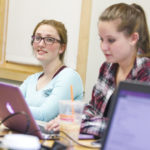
76,147
4,131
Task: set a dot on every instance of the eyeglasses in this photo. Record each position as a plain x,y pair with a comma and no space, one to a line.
47,40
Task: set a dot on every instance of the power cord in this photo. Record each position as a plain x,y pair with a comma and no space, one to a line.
92,147
28,126
68,138
68,141
56,145
18,113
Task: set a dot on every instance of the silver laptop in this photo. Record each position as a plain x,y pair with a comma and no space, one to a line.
16,114
129,124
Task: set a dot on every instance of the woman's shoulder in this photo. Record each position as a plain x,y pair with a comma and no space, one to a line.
141,70
67,75
68,71
144,62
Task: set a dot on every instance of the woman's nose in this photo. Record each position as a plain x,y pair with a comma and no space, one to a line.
104,46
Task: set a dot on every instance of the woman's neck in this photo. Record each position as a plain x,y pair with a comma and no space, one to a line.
52,68
124,70
48,72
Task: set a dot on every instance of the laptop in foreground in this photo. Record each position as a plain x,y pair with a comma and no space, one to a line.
129,124
13,103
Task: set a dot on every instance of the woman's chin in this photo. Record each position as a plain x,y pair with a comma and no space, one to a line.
39,58
110,61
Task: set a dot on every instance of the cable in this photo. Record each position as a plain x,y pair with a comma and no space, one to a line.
1,136
18,113
69,137
55,143
92,147
28,126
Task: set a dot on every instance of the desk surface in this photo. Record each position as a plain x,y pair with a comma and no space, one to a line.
4,131
76,147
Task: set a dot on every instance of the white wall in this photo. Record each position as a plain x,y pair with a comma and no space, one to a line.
23,16
95,56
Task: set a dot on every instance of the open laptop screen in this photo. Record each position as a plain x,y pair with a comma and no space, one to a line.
129,127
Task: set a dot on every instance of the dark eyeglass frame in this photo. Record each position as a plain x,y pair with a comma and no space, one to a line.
53,40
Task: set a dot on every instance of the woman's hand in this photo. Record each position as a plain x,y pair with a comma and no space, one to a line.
53,125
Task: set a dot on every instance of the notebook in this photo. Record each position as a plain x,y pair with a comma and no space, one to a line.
129,124
11,102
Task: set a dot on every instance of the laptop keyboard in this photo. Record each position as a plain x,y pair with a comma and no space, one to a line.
49,134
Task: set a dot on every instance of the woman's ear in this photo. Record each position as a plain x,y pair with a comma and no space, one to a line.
62,48
134,38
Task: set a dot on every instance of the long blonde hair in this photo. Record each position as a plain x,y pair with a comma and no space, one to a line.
133,19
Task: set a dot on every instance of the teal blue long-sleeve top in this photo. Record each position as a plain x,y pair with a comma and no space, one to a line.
44,103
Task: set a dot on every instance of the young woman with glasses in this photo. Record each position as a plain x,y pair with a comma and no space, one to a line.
44,90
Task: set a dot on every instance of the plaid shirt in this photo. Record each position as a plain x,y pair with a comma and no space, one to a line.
93,121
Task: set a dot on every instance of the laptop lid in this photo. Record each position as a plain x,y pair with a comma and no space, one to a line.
129,124
11,102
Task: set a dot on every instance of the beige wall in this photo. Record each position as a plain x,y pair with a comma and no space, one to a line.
89,56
